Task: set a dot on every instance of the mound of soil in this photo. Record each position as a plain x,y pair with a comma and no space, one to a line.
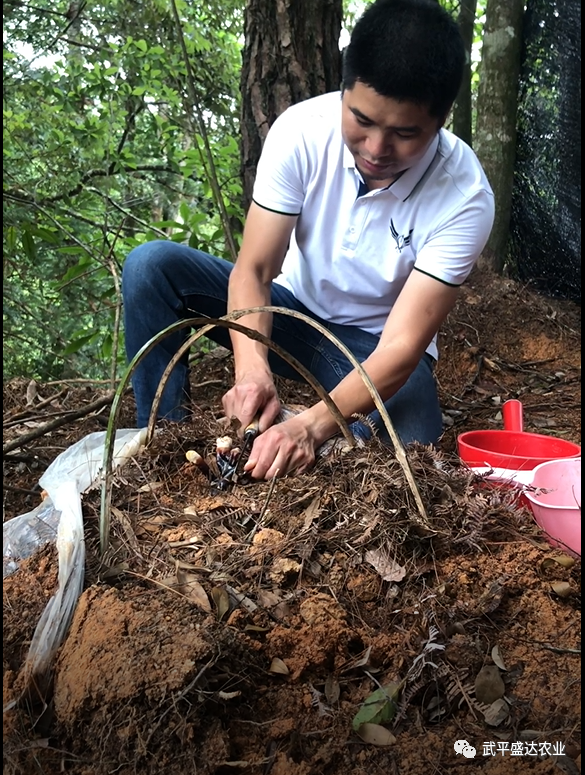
354,619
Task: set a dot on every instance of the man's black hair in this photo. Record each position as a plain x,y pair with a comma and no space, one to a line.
408,50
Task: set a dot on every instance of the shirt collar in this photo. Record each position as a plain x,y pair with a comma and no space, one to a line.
403,187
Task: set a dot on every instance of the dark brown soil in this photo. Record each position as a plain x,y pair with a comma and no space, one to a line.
241,631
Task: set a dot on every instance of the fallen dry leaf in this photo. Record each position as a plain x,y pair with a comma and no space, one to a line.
375,734
188,584
222,601
311,513
561,588
388,568
497,712
150,487
278,666
497,657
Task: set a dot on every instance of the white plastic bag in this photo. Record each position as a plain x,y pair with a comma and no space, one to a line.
59,518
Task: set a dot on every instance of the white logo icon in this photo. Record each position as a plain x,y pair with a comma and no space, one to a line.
463,747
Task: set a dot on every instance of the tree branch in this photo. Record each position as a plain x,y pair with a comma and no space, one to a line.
207,158
72,15
19,195
82,44
128,126
57,423
128,214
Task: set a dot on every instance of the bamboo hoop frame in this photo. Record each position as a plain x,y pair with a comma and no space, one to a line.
229,321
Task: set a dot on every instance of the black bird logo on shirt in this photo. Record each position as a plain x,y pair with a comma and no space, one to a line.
401,240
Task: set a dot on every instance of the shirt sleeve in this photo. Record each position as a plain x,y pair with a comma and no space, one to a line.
451,251
279,183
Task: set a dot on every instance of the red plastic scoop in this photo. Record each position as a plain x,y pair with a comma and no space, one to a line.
511,448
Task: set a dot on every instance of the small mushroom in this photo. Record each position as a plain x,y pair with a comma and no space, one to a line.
223,445
194,457
489,685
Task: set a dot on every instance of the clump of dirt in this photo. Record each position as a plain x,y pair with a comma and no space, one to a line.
243,630
155,656
115,627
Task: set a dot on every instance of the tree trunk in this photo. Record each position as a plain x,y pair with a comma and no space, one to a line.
497,104
291,53
462,112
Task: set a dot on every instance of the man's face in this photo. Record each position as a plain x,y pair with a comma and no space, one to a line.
385,136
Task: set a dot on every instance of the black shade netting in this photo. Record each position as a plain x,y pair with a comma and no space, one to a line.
545,243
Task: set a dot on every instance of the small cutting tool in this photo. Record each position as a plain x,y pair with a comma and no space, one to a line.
230,475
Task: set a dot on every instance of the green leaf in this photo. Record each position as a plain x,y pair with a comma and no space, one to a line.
76,344
196,218
28,245
107,346
48,235
379,707
74,271
75,116
194,240
185,212
11,238
167,224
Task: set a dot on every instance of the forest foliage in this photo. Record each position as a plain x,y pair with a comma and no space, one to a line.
102,151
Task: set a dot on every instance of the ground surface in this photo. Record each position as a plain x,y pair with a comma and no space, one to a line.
242,631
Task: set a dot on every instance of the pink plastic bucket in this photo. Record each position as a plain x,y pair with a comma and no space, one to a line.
556,501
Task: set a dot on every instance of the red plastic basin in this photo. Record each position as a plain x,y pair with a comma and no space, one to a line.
512,449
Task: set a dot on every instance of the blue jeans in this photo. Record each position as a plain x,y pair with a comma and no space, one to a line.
164,281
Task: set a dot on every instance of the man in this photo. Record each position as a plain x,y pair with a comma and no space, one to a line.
367,216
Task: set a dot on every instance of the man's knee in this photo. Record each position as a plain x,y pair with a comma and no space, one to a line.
142,260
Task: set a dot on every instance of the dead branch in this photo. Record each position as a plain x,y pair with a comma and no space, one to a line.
58,422
25,413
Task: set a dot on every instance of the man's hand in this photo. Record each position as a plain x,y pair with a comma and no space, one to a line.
253,395
284,448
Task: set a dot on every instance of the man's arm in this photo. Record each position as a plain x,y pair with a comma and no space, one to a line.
417,315
265,241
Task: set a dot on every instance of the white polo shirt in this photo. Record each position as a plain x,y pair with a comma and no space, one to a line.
350,256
